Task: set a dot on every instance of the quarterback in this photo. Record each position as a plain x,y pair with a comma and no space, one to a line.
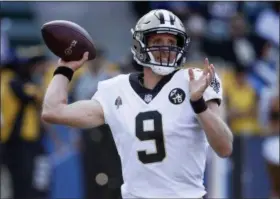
163,119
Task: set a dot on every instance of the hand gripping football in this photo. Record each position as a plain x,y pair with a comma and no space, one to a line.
68,40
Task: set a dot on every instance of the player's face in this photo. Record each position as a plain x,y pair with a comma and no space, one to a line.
163,55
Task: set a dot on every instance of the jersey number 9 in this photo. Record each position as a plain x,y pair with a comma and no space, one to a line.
156,133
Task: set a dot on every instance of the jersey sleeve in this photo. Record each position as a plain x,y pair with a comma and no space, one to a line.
214,91
101,96
106,94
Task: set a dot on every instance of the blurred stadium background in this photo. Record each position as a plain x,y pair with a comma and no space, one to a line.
240,38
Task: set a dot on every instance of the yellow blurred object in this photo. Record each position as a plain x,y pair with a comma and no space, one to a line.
241,99
33,90
12,108
31,123
9,105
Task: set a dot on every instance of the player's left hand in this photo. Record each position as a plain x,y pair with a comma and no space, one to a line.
198,86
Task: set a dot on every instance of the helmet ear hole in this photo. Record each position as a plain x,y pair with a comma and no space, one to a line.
180,41
139,53
136,46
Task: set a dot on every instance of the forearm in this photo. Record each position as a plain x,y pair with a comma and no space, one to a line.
56,94
81,114
218,134
56,110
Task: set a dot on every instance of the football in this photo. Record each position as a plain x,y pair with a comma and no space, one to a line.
68,40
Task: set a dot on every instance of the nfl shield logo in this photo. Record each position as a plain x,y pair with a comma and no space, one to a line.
148,98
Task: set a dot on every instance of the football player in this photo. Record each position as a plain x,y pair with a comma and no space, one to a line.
162,119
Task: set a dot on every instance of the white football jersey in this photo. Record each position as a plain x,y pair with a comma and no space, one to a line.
160,142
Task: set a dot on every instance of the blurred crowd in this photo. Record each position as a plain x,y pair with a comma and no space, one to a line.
240,38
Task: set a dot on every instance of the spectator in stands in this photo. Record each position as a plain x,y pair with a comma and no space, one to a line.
22,134
241,102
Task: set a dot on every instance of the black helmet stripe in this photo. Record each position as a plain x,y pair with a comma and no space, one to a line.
172,19
161,17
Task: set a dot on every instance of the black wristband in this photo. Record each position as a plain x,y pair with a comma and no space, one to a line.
65,71
199,106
